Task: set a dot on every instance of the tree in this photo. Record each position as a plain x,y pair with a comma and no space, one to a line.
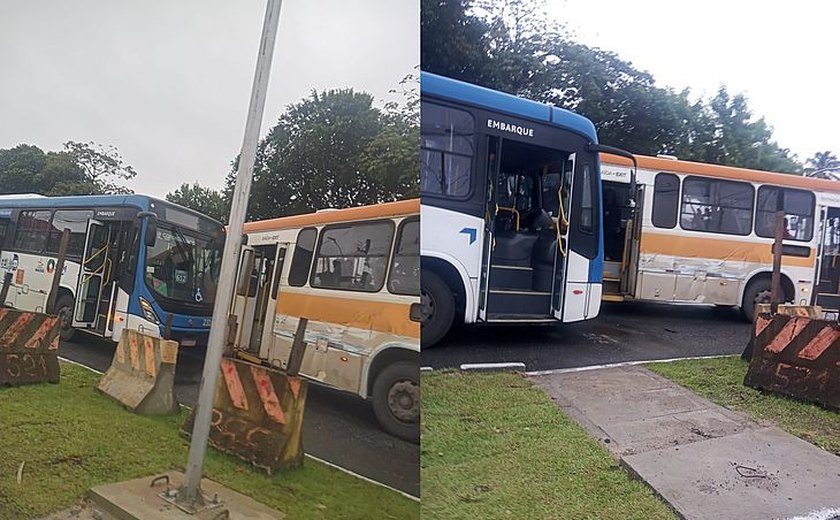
103,166
204,200
333,149
79,169
822,161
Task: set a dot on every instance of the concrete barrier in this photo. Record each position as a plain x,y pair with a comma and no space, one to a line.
796,356
257,415
806,311
28,347
142,374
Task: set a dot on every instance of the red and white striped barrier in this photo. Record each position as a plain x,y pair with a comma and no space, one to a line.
797,356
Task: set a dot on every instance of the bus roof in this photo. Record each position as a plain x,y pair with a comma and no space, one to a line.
71,201
388,209
467,93
725,172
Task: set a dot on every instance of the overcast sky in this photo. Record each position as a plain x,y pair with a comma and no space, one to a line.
782,55
168,82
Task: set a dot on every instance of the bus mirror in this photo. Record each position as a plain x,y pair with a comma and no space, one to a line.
151,233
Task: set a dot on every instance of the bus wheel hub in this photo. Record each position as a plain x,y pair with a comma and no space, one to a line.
404,400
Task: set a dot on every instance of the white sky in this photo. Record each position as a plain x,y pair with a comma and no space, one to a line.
168,83
781,55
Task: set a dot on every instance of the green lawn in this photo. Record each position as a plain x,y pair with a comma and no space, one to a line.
721,380
494,446
71,439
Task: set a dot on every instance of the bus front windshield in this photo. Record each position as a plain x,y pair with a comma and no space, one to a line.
183,266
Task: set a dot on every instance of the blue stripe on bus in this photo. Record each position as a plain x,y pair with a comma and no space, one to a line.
454,90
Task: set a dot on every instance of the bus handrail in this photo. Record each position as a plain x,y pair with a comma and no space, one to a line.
561,218
512,210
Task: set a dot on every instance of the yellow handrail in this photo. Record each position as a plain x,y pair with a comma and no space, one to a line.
561,218
512,210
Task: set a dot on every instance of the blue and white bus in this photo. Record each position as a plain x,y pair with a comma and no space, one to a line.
131,261
510,208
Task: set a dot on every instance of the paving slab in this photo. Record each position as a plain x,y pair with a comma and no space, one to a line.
753,475
138,500
632,410
708,462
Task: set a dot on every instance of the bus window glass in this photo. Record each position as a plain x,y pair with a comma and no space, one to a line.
182,266
353,257
302,259
74,220
666,193
717,206
32,230
405,266
278,272
799,213
446,150
4,225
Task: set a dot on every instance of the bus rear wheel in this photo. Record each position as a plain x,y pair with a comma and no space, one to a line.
64,310
438,309
396,400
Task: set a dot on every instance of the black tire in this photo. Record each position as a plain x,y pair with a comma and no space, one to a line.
438,309
64,308
396,400
757,291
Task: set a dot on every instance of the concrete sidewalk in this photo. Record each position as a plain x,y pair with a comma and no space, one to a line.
706,461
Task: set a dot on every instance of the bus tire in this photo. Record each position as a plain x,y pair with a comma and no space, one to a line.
757,291
438,304
396,400
64,310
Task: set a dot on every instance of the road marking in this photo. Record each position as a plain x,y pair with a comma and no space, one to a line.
313,457
488,367
426,369
622,364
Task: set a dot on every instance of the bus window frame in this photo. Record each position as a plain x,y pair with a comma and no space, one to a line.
17,230
676,212
724,181
344,225
813,212
305,272
472,158
396,242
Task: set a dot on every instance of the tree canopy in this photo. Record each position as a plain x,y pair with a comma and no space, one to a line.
204,200
336,149
77,169
515,47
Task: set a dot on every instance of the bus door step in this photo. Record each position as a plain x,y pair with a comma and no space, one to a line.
514,302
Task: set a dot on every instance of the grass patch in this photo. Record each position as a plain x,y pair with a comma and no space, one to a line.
494,446
72,438
721,380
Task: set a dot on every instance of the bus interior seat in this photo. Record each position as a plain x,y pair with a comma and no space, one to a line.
514,246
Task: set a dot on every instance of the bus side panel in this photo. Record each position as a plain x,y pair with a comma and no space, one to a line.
459,239
575,304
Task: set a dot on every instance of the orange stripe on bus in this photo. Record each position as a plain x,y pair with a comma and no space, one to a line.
388,209
717,249
391,318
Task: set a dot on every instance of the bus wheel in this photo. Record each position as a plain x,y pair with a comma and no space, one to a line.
64,310
396,400
438,309
757,291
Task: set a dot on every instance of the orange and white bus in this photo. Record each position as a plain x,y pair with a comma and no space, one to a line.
354,274
703,233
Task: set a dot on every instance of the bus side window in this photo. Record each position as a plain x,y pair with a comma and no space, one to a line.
32,229
302,259
353,256
245,272
666,195
405,266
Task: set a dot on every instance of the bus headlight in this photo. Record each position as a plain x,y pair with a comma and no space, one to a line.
149,312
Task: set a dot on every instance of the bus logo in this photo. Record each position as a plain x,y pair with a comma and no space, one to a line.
471,232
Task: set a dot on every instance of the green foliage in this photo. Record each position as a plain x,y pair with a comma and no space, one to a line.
204,200
78,169
514,46
335,149
823,161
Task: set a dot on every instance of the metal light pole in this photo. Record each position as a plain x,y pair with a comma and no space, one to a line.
190,493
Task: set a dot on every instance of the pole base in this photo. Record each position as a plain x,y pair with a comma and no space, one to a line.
156,498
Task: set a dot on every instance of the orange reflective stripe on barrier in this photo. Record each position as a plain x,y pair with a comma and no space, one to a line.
142,374
796,356
28,347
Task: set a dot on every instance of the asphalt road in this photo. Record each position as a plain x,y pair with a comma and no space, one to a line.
622,332
337,427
